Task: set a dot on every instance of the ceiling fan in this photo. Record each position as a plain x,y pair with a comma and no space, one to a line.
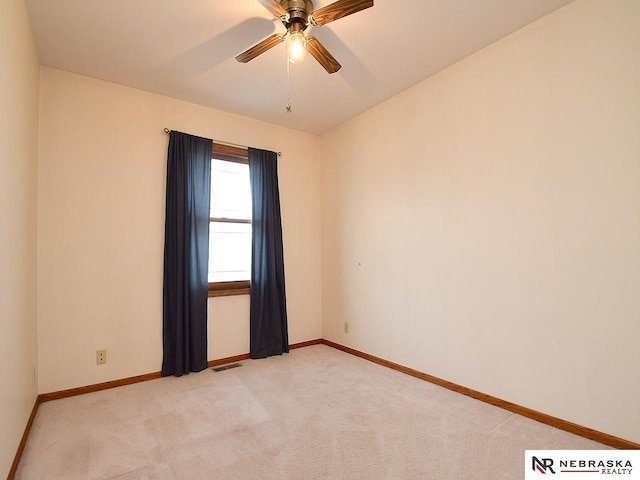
297,16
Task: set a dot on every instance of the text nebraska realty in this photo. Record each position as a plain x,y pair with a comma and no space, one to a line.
606,467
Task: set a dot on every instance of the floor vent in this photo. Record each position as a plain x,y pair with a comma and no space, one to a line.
226,367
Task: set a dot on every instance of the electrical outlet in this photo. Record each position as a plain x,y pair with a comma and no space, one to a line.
101,356
346,327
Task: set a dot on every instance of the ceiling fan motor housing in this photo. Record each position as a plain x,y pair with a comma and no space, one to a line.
299,11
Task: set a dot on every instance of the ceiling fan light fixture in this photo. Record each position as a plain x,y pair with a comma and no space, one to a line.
297,16
297,47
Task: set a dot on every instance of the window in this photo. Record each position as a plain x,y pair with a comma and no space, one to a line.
230,222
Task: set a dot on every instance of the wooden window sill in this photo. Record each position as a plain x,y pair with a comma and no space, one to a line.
227,289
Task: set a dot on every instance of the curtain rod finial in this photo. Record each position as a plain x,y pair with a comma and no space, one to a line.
166,130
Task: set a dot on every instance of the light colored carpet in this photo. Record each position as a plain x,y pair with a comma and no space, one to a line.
315,413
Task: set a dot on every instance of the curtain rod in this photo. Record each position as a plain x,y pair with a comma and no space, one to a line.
167,131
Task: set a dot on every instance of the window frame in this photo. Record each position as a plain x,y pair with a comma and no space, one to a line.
235,154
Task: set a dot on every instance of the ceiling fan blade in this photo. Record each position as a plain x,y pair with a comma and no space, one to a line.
260,48
274,7
322,55
339,9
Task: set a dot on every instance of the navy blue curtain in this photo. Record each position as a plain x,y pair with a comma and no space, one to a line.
268,310
186,246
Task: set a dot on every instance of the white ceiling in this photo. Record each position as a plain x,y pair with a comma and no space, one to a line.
185,49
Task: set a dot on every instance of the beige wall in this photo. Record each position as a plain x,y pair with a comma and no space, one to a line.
101,228
18,190
484,226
